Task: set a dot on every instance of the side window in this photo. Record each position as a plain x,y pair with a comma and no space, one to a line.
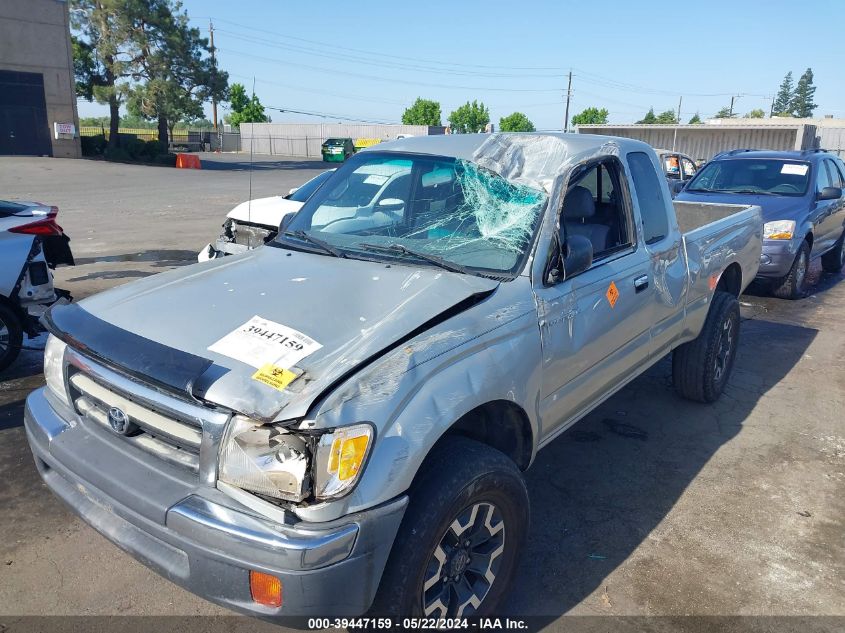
822,176
689,168
836,174
672,166
594,208
650,197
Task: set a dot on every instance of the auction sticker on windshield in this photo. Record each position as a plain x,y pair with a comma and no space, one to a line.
260,342
795,170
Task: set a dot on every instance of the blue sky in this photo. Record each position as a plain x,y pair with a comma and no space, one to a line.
369,59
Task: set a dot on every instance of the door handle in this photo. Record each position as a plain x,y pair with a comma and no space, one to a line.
641,283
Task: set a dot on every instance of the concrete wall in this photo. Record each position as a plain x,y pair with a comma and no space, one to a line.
702,142
35,38
304,139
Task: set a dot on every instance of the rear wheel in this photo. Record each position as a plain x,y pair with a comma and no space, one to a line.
700,368
834,259
11,336
792,286
460,540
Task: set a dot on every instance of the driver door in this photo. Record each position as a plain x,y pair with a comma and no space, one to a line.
595,326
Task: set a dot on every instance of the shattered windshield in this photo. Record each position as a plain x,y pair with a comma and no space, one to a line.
432,210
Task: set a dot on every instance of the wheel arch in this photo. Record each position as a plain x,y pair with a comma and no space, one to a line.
500,424
731,280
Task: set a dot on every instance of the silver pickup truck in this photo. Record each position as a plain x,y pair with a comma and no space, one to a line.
336,423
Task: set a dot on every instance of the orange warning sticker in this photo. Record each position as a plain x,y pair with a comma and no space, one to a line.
612,294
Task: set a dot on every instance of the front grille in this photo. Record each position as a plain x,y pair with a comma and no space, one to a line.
149,427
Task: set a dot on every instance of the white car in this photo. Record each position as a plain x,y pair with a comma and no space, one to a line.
255,222
31,244
374,201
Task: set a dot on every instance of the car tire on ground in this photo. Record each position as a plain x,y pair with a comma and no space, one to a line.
701,368
793,285
460,539
834,259
11,336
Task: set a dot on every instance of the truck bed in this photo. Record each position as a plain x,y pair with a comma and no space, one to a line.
694,215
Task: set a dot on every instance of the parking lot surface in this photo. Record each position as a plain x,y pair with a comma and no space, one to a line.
651,505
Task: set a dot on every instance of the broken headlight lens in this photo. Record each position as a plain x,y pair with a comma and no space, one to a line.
265,459
779,230
54,360
340,459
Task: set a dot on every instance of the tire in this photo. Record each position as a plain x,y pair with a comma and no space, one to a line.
468,484
834,259
792,286
11,336
701,368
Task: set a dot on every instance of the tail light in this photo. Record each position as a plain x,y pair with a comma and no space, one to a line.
44,226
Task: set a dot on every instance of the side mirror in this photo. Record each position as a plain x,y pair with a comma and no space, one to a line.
286,221
578,255
830,193
391,204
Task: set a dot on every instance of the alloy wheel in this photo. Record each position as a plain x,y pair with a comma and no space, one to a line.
724,351
464,564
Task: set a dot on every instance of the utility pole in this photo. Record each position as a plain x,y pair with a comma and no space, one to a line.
214,62
731,113
568,95
680,101
677,123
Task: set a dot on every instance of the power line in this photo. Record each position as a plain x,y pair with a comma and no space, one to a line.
332,46
382,79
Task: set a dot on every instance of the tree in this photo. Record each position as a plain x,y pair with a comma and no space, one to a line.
649,118
244,109
724,113
469,118
176,64
782,105
516,122
422,112
591,116
667,118
105,55
756,113
695,120
802,104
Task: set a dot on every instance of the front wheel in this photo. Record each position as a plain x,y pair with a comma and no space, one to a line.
700,368
11,336
460,539
792,286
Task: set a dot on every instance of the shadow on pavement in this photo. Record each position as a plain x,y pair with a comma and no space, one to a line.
604,485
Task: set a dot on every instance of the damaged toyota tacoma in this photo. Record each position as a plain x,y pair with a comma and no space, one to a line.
338,423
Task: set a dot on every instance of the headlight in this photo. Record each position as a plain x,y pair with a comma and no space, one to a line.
340,459
54,357
265,459
271,461
779,230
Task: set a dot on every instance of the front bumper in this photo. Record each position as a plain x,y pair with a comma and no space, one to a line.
201,539
777,257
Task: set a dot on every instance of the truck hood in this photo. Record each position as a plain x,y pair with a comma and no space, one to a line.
264,211
354,309
774,207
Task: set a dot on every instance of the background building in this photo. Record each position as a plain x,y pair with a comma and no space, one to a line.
305,139
37,92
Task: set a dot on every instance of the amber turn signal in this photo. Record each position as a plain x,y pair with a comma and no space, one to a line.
265,589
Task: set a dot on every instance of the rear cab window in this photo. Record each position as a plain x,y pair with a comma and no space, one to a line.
650,194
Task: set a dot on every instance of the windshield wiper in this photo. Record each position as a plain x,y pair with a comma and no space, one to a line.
404,250
302,235
753,192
